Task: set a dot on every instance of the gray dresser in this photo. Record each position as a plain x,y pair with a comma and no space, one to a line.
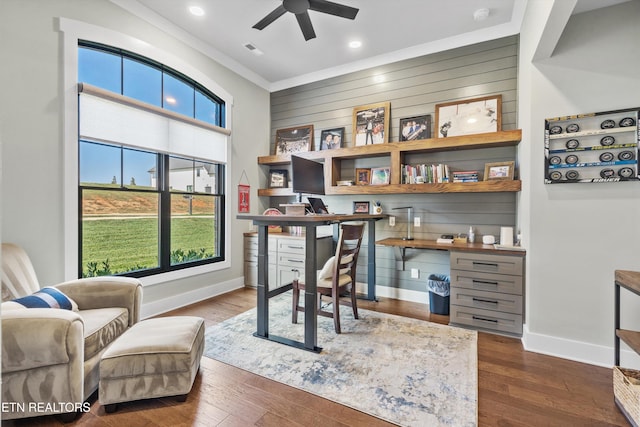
487,291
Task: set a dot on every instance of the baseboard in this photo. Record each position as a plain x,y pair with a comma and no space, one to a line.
181,300
395,293
577,351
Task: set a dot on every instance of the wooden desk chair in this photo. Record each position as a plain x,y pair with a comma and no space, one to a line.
336,277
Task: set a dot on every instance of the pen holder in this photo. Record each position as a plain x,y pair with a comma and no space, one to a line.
377,210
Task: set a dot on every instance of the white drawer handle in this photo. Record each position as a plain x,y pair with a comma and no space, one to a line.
295,260
295,247
484,319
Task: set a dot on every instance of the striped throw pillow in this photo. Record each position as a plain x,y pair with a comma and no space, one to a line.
47,297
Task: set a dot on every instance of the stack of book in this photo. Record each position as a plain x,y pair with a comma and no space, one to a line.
465,176
425,174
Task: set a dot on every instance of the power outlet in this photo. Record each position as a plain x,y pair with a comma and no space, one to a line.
416,221
392,221
415,273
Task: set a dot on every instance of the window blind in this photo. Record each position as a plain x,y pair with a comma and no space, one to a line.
112,118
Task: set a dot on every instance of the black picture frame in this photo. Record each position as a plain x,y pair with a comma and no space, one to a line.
330,139
278,178
361,207
414,128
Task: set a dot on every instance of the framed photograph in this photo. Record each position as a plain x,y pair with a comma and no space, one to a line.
371,124
330,139
294,140
380,176
278,178
413,128
500,170
471,116
363,176
361,207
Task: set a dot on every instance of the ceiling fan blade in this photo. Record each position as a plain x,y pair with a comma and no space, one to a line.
305,25
275,14
331,8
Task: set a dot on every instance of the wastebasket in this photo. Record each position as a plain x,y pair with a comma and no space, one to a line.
439,287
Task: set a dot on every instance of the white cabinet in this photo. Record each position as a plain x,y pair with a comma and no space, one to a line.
487,291
286,255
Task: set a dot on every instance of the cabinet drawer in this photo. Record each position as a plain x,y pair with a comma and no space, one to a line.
291,260
493,301
251,243
487,281
486,319
291,246
485,263
251,255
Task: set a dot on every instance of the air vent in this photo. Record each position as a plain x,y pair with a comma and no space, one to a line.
251,48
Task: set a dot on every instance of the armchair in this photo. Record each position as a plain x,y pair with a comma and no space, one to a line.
50,357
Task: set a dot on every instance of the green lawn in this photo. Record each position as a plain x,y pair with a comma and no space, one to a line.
131,243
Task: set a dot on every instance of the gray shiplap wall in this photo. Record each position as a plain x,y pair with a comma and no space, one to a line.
414,87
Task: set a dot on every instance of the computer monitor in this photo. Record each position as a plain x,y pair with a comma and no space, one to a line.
307,176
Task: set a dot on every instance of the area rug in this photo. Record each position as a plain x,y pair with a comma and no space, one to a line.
405,371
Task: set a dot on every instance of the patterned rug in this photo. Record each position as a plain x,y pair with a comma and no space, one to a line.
405,371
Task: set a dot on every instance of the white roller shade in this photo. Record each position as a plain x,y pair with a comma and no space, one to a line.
120,120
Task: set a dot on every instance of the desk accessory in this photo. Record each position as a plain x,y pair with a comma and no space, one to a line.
409,209
488,240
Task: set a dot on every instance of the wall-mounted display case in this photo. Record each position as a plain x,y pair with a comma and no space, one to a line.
596,147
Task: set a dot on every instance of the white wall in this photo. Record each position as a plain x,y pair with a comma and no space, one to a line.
32,127
576,234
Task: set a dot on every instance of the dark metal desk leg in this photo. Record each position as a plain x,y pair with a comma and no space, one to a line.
371,261
263,282
616,339
310,309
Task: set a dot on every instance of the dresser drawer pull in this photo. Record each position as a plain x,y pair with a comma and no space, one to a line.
484,282
296,260
484,300
484,319
295,247
486,264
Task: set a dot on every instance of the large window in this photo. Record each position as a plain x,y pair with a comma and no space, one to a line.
151,186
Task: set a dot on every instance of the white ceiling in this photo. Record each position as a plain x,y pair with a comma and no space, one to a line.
389,31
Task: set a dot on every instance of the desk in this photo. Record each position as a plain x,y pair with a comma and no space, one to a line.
401,246
432,244
309,222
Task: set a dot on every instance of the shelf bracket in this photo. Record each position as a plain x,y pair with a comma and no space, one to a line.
401,255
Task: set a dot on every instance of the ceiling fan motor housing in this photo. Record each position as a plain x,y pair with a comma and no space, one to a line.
296,6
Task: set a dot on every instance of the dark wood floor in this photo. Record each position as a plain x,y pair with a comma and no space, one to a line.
516,388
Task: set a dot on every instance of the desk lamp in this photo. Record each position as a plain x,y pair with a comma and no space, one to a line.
409,221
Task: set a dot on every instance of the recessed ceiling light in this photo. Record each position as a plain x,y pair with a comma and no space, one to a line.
355,44
196,10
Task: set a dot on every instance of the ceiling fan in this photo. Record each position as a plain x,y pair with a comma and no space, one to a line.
300,9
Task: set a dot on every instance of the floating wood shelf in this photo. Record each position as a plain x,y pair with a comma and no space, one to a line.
396,151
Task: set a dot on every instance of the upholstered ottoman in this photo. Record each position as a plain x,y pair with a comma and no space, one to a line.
154,358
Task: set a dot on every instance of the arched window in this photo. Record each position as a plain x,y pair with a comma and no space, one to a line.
152,158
